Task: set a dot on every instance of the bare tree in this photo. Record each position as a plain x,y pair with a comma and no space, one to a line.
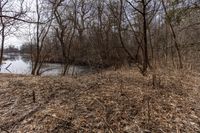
42,30
9,15
143,8
64,26
173,34
107,32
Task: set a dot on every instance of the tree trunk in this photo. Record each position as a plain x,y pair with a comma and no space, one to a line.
146,60
174,36
2,35
37,41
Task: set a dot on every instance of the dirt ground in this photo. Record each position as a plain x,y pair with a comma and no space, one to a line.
121,101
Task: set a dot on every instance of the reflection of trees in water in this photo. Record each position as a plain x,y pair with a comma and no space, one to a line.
11,57
14,57
26,58
23,66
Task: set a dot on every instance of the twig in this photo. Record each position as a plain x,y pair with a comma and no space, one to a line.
34,101
4,130
17,122
60,119
110,129
8,66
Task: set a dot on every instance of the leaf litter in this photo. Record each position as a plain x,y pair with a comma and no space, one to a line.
108,102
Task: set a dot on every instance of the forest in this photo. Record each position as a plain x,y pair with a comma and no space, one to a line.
144,53
105,33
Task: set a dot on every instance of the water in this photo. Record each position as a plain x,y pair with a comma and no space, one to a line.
21,64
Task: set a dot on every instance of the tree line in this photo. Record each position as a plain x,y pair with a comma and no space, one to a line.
103,33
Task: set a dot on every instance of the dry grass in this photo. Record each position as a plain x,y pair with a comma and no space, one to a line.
110,102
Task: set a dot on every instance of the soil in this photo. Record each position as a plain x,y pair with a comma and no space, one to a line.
121,101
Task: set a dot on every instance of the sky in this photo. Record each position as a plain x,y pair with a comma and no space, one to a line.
15,41
21,35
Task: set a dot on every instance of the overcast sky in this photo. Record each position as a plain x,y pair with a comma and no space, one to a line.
21,35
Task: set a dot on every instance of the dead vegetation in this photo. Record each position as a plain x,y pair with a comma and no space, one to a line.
110,102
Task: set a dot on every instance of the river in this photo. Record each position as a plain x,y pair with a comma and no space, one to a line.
21,64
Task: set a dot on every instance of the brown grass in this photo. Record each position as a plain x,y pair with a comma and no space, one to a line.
111,102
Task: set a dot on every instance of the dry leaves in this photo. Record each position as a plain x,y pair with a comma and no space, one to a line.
113,101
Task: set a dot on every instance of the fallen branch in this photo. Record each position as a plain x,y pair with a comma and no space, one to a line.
8,66
8,125
4,130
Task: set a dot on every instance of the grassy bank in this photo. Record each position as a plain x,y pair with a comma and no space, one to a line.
113,101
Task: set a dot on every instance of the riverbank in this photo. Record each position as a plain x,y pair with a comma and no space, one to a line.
111,101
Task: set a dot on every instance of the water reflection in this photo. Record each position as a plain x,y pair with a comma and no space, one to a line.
21,64
11,57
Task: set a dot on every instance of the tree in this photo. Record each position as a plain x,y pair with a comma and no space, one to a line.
173,34
143,8
43,24
9,15
64,25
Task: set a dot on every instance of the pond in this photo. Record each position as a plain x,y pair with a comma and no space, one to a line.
21,64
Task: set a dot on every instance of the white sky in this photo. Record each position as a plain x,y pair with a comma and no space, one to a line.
16,41
21,36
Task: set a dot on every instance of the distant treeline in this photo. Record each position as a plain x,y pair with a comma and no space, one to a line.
12,49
